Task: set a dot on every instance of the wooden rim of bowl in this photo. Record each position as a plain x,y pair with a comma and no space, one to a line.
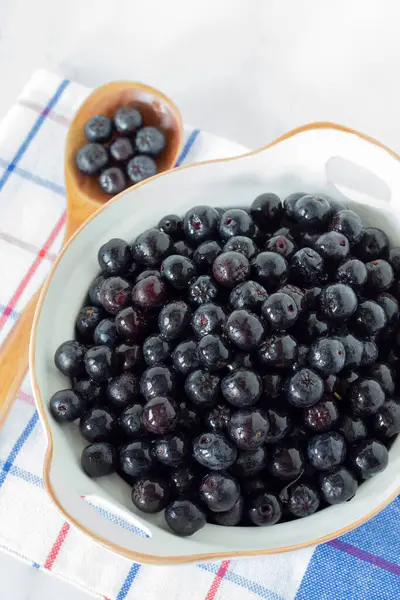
175,560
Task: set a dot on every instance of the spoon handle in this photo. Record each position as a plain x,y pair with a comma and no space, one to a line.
14,357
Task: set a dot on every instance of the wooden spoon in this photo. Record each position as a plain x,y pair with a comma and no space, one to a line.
84,197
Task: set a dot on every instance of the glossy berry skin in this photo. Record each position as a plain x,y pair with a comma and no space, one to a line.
213,352
129,357
98,424
69,358
94,393
184,357
106,333
373,245
132,324
98,129
369,457
160,415
114,257
182,248
150,140
311,211
270,269
280,424
202,388
156,350
100,363
353,272
267,210
307,267
184,517
242,387
214,451
303,500
130,421
178,271
172,225
282,245
67,405
305,388
173,319
135,458
369,353
99,459
334,247
87,320
248,428
265,509
112,181
366,396
141,167
386,421
243,244
390,306
208,318
172,450
352,428
249,295
245,329
235,221
339,485
231,517
394,259
115,294
278,351
349,224
369,319
91,158
297,294
203,290
231,268
385,376
326,450
219,491
182,479
200,224
289,204
327,355
312,326
122,390
150,494
205,254
323,416
353,349
157,381
302,357
218,418
151,247
287,461
380,276
94,290
127,120
280,311
250,462
338,302
150,292
121,149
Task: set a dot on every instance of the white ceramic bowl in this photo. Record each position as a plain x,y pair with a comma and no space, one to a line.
369,176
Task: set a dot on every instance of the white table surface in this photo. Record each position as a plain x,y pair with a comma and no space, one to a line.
248,70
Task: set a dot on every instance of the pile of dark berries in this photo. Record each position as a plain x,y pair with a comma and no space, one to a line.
239,366
121,151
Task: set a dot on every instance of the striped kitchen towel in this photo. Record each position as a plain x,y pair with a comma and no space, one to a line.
362,565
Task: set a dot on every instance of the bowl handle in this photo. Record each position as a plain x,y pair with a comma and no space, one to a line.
160,547
312,147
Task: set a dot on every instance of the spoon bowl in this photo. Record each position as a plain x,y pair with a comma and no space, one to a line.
84,197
